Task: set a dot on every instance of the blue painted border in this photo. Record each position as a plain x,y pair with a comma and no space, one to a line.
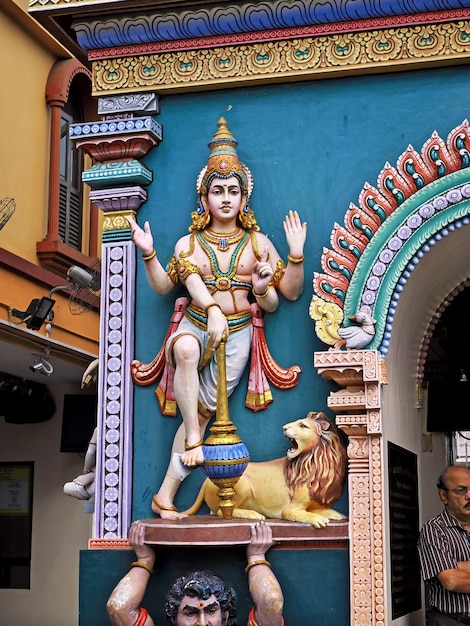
246,18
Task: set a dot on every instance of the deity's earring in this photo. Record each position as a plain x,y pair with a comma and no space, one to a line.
246,205
204,203
199,208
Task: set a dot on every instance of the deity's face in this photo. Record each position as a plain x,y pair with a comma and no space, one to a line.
224,199
197,612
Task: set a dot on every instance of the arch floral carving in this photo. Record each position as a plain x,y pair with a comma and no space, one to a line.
414,204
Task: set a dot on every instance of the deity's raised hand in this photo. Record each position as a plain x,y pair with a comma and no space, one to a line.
262,272
296,233
142,238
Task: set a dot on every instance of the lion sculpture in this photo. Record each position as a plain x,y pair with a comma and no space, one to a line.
300,487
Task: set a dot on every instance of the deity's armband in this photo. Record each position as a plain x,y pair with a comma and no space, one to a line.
172,271
186,268
279,273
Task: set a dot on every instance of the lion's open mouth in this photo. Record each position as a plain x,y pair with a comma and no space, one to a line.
293,449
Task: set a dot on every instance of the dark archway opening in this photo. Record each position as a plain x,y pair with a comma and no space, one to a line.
447,368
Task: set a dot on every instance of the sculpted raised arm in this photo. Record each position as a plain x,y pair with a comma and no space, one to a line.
124,603
261,275
292,282
264,586
156,275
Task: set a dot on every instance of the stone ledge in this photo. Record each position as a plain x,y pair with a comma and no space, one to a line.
206,530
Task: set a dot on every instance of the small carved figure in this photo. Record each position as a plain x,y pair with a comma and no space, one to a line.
300,487
83,486
357,337
225,263
199,597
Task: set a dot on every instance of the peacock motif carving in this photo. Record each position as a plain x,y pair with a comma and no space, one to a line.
374,234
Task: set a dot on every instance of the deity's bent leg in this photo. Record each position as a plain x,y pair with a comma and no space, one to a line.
187,354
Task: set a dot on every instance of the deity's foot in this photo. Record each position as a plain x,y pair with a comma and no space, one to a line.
193,455
165,512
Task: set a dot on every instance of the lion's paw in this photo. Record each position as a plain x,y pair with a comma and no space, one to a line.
319,522
248,514
306,517
336,516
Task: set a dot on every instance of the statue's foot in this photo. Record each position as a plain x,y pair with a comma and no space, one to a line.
77,490
165,512
193,455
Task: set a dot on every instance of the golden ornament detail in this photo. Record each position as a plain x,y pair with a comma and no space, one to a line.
223,240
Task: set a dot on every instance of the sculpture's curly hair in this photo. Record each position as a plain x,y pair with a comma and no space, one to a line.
201,584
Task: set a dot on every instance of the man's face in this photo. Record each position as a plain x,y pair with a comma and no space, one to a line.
197,612
456,496
224,199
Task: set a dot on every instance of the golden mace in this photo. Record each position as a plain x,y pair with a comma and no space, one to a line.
225,454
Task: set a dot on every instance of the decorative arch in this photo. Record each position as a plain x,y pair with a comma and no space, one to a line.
52,251
415,204
60,78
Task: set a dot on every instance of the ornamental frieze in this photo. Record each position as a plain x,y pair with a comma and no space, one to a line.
173,25
301,58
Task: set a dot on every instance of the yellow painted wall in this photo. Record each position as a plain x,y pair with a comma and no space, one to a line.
24,149
27,55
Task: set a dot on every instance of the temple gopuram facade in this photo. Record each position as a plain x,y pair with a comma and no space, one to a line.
355,115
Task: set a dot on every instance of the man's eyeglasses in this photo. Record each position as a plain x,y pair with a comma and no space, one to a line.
459,491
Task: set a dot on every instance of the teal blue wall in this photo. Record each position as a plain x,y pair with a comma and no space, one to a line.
311,147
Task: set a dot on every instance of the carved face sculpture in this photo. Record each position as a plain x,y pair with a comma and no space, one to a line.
223,200
197,612
200,598
223,164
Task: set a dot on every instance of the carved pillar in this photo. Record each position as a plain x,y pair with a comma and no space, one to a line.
360,373
117,181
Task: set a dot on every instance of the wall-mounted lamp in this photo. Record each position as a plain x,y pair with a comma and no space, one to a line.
41,365
38,310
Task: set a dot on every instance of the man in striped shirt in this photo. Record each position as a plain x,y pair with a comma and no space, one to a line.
444,552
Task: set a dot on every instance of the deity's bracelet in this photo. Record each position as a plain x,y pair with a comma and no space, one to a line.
254,563
295,260
261,295
143,566
208,306
150,256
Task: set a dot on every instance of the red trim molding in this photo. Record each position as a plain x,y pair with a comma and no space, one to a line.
18,265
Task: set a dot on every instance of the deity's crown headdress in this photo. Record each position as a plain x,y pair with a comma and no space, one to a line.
224,163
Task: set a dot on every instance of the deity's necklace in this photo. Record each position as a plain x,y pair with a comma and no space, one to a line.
223,281
223,240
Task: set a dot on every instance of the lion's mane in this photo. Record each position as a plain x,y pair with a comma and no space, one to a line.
323,467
